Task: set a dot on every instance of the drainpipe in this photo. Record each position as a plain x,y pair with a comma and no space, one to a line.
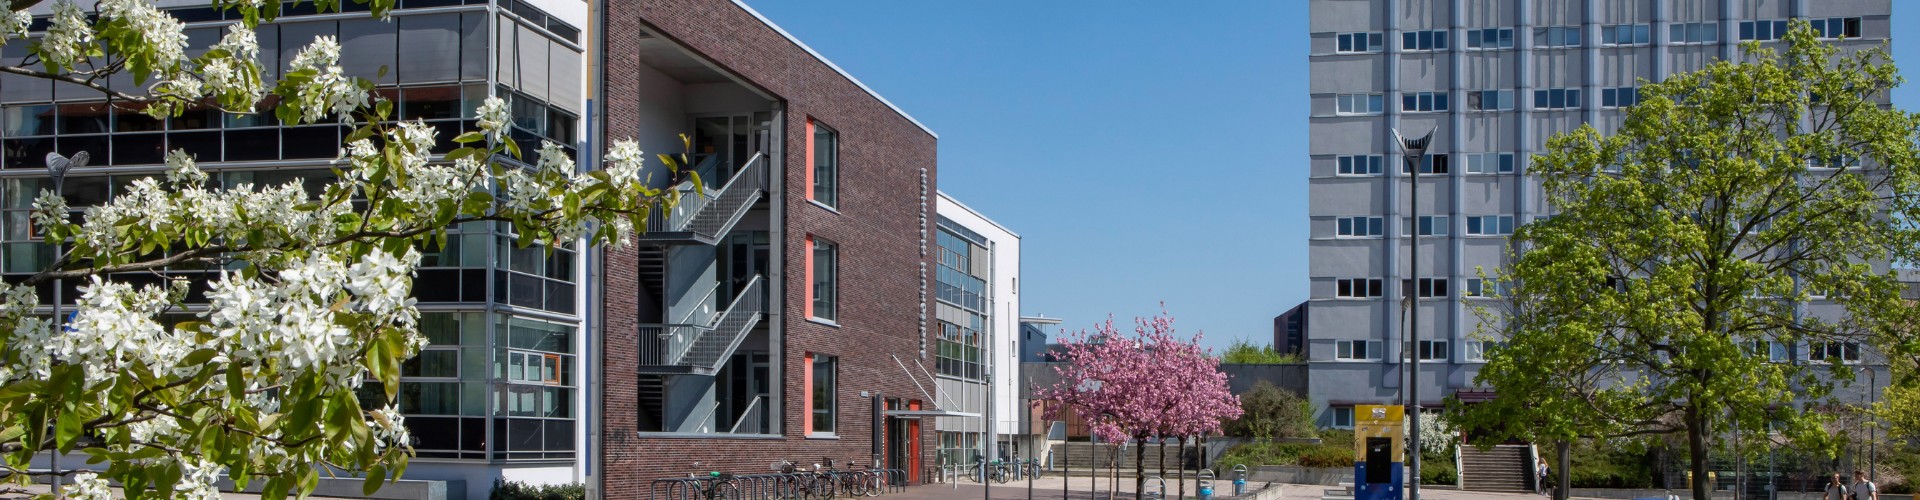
596,257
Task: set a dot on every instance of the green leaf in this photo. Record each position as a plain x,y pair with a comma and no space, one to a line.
471,136
66,429
376,475
513,148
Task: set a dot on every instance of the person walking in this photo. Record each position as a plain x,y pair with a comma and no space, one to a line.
1836,489
1864,489
1540,471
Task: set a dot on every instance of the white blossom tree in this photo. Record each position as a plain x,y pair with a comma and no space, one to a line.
311,294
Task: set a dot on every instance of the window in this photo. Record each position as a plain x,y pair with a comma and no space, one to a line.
1625,34
1343,418
1424,40
1775,352
1429,287
1359,227
1556,99
1359,164
1480,287
1489,163
1619,97
1361,42
826,164
1763,30
1357,287
1430,225
1429,164
1489,100
1835,162
1360,104
821,397
1356,350
1836,27
1557,36
1432,350
1489,225
1844,352
1490,38
1477,350
823,266
1682,33
1423,101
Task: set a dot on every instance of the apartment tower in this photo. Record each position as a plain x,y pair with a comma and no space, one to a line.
1494,79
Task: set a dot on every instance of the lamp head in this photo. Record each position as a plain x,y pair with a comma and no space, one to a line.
57,166
1414,147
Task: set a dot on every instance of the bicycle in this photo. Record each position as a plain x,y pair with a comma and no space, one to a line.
1033,468
1000,472
803,484
716,486
860,482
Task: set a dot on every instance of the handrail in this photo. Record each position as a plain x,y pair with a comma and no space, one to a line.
751,414
711,409
732,199
673,344
693,203
712,288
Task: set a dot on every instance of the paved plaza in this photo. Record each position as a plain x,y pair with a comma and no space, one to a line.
1049,488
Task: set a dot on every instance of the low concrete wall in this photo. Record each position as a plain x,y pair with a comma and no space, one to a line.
406,489
1301,475
1660,493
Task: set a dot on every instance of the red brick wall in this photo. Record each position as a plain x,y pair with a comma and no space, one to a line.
887,177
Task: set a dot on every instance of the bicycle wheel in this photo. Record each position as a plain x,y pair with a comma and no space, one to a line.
853,484
873,483
1002,475
725,491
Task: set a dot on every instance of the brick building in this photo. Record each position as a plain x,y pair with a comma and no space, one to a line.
786,314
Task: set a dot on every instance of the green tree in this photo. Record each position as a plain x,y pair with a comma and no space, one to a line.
1272,412
1682,246
1244,352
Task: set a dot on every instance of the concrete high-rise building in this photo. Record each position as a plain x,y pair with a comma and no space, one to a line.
1495,79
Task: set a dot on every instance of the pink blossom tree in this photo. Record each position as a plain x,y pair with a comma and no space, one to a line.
1149,385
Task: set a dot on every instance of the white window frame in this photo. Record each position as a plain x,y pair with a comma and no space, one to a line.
1502,225
1436,40
1502,100
1843,161
1637,34
1359,227
1427,165
1490,163
1359,288
1371,346
1476,39
1614,96
1431,350
1478,287
1557,37
1830,348
1477,350
1823,28
1373,165
1685,33
1430,288
1350,104
1338,413
1569,98
1426,102
1750,30
1360,42
1437,225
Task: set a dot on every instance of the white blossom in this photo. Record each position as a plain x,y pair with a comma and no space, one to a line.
197,479
495,115
14,23
389,428
181,170
88,486
554,159
330,90
624,162
69,38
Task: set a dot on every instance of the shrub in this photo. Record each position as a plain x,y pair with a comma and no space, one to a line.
1243,352
1327,456
1438,473
1272,412
515,490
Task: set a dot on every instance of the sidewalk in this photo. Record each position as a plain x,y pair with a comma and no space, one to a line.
1049,488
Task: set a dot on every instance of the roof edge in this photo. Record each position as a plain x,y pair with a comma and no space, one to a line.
976,213
836,68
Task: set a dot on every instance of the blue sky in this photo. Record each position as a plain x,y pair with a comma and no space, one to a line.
1145,151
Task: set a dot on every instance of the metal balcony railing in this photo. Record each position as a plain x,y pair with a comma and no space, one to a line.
707,217
754,419
702,348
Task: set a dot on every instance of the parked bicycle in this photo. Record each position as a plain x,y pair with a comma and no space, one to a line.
1033,468
716,486
861,482
804,484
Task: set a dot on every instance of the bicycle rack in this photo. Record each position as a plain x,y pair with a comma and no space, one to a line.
774,486
1162,483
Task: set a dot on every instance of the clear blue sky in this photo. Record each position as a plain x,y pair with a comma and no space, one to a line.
1145,151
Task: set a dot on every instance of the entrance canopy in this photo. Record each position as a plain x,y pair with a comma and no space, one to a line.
930,413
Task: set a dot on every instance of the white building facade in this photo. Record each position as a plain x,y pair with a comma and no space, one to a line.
977,332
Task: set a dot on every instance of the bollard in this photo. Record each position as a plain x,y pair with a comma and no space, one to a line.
1239,480
1205,482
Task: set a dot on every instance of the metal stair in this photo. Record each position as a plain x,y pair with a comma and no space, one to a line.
652,394
705,218
652,266
676,349
1502,468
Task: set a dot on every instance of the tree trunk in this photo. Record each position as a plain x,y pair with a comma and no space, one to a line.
1113,485
1697,447
1140,470
1182,469
1163,460
1563,478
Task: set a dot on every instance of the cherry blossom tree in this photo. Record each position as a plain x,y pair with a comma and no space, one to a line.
307,297
1149,385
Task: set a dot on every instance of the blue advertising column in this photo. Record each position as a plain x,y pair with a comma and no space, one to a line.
1379,452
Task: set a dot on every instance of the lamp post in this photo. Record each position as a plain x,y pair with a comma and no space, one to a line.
1412,150
57,167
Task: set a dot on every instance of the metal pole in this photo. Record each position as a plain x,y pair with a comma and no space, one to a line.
57,168
1413,150
1873,433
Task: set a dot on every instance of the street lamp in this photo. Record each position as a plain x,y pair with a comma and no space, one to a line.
1412,150
57,167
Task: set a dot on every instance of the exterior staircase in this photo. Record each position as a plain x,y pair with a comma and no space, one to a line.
1502,468
701,349
705,218
652,394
